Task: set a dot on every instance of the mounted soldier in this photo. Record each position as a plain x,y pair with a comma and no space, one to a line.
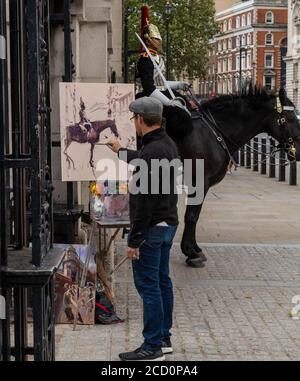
85,123
149,73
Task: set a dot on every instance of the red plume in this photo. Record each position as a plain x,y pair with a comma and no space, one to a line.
145,17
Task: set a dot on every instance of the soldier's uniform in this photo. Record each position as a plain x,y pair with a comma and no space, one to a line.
147,73
150,78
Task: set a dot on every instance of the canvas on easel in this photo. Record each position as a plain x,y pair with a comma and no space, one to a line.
90,116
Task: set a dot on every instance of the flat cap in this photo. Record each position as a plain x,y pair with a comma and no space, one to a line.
147,106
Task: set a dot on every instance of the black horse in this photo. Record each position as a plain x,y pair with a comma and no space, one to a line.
238,118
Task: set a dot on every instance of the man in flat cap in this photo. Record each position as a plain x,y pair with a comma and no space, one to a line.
154,222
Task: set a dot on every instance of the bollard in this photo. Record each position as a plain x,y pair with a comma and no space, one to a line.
263,157
272,162
248,155
255,154
293,173
242,156
282,158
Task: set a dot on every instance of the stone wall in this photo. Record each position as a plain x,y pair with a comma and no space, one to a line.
97,50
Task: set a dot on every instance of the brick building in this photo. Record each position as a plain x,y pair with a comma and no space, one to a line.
293,55
251,45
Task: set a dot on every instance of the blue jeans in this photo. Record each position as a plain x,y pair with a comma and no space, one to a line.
152,281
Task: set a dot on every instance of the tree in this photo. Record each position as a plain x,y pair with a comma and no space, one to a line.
191,25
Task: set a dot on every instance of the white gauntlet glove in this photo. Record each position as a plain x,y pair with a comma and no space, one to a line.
168,102
177,85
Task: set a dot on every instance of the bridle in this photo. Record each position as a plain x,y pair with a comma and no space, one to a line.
288,142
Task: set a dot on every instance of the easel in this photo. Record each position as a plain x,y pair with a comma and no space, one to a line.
105,259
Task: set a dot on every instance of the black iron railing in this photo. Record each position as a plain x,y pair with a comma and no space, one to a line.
258,156
28,261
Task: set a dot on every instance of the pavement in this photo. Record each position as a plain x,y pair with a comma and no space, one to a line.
236,308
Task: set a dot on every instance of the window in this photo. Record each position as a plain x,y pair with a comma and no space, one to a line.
249,19
225,26
237,62
243,61
220,46
269,18
229,85
238,41
269,39
238,22
230,24
269,82
269,60
243,20
225,65
230,64
224,86
243,40
224,44
220,66
230,44
249,63
249,39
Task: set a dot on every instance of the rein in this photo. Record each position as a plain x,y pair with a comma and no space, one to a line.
216,131
268,155
287,144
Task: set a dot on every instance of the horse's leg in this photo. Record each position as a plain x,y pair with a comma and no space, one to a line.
68,158
92,155
189,246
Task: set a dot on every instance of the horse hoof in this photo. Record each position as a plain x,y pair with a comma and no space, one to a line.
202,257
195,262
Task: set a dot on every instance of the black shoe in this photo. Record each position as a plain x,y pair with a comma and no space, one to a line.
167,346
142,354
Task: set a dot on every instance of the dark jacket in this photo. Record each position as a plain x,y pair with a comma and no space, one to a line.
145,71
148,210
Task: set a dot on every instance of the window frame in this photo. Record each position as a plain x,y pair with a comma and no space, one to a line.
272,39
243,40
272,16
243,21
249,19
225,26
271,55
249,39
272,85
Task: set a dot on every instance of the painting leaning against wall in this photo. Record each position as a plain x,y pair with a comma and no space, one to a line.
70,299
90,116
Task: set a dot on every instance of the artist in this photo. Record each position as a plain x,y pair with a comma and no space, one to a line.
154,222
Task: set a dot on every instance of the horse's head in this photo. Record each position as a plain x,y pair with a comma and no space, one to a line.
284,126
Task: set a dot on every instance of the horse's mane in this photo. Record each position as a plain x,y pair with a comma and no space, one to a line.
251,96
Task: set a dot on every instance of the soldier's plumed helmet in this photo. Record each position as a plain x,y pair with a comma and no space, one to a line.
152,37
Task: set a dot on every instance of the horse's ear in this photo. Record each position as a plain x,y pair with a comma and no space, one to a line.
282,96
